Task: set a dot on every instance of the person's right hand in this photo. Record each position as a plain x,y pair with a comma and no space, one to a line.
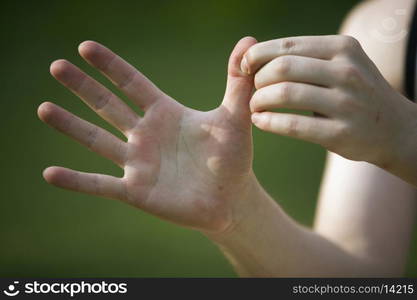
190,167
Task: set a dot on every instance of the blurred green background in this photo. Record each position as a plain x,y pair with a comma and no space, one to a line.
183,46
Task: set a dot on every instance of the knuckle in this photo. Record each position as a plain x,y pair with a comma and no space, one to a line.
283,65
267,122
348,44
127,80
287,44
348,104
341,132
103,100
284,92
292,127
350,74
92,136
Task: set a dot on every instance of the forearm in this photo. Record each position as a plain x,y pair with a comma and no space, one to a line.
366,211
267,242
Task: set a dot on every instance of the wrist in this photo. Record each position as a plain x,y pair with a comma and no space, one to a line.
248,214
407,153
251,242
239,208
404,149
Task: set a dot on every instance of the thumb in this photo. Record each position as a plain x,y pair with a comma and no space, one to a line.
239,85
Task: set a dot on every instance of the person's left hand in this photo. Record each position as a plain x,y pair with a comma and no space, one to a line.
191,167
361,116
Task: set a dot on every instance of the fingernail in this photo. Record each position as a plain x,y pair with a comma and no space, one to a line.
255,118
244,65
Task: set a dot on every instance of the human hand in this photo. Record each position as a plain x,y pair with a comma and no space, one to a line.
362,117
190,167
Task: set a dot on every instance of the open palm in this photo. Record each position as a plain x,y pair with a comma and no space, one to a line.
187,166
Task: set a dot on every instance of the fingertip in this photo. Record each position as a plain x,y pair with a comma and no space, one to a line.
249,39
95,54
255,117
252,105
262,120
88,48
244,66
46,110
51,174
86,43
59,67
236,61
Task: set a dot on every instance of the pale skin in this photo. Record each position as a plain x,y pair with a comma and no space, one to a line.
365,119
195,169
187,166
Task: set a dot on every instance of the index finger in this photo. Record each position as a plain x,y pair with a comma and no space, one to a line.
127,78
321,47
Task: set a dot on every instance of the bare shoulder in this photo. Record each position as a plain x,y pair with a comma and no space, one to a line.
382,28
